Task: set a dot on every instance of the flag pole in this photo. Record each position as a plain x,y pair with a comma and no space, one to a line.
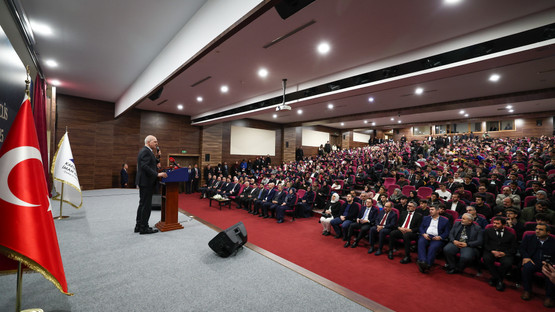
18,294
62,201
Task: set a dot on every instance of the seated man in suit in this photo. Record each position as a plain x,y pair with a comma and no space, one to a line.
233,188
528,214
434,231
213,189
249,192
465,238
476,218
266,198
363,223
456,204
536,249
287,204
499,246
209,183
349,213
277,200
386,221
407,230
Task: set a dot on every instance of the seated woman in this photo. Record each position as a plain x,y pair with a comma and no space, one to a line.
413,196
322,194
332,210
335,186
396,196
305,206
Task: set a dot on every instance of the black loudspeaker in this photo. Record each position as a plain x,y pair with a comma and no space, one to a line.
154,96
286,8
207,157
227,242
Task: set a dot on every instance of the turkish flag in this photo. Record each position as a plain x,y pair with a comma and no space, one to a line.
27,231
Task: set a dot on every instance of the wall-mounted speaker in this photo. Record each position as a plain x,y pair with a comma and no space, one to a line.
227,242
286,8
154,96
207,157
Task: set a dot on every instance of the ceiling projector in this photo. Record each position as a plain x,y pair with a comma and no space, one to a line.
282,107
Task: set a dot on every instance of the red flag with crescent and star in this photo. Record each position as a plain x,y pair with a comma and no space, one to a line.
27,231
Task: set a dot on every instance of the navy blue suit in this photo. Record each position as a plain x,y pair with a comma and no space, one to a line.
350,212
278,199
287,204
428,255
259,200
146,179
363,227
532,248
389,225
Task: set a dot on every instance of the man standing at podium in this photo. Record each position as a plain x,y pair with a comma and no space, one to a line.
146,179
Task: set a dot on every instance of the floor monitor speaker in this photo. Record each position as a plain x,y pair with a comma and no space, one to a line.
227,242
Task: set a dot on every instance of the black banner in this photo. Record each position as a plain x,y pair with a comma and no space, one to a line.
12,85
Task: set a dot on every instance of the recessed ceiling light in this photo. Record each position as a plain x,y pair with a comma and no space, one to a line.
51,63
366,121
300,111
224,89
274,115
451,2
510,110
330,106
509,107
323,48
55,82
373,124
418,91
342,124
199,98
465,115
263,72
392,118
41,29
494,78
180,106
461,112
371,99
398,121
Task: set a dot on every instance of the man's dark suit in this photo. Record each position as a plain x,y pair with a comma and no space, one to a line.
460,208
362,227
350,212
279,198
506,244
533,249
425,254
124,178
389,224
470,252
407,237
262,193
146,179
267,199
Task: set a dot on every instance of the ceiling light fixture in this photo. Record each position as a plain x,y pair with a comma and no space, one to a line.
51,63
366,121
330,106
511,110
461,112
275,116
398,121
41,29
199,99
509,106
180,106
323,48
342,124
465,115
55,82
300,111
451,2
224,89
263,72
418,91
373,124
494,78
371,99
392,118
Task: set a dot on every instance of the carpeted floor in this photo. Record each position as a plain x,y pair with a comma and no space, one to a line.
110,268
394,285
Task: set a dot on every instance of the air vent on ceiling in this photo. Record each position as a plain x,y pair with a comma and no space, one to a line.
164,101
200,81
289,34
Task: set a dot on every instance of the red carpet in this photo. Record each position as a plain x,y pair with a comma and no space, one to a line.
394,285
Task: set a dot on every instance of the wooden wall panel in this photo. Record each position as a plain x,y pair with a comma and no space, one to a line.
346,138
101,144
290,137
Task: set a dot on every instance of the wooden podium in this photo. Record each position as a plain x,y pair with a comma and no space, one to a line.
170,199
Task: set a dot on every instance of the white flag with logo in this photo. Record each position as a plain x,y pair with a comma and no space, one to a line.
64,173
